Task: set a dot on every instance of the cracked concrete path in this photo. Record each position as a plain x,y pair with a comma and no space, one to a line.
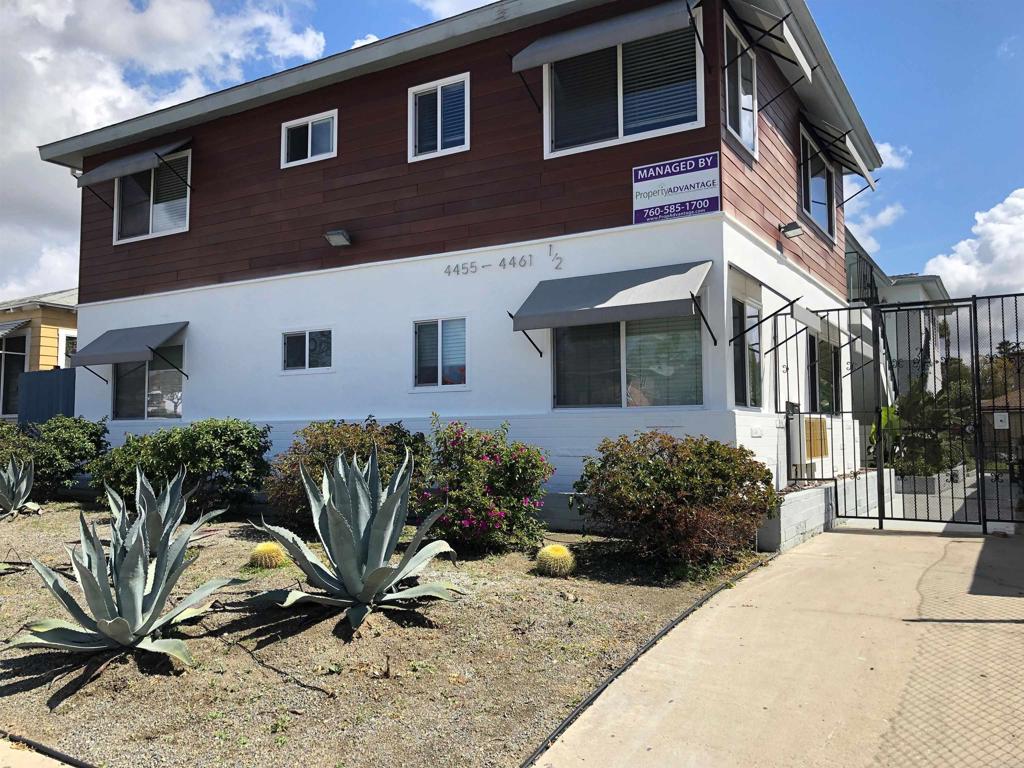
857,648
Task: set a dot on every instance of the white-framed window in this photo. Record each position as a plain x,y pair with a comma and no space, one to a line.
150,390
817,185
824,376
441,352
631,363
13,363
67,345
306,351
746,354
650,87
309,139
439,118
153,203
740,88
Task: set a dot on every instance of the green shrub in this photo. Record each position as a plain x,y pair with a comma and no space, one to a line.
320,442
491,488
694,499
226,457
62,447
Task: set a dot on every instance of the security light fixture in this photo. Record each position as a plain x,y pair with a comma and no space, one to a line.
791,230
337,237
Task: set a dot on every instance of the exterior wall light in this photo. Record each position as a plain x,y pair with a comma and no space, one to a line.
337,237
791,230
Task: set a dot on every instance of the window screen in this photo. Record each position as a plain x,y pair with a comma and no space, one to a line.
663,362
133,205
453,351
426,354
426,122
298,143
585,100
129,390
294,351
588,365
659,82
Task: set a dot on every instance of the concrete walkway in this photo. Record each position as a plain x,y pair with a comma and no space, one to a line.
16,756
853,649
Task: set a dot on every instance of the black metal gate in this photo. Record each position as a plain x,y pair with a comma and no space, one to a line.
913,411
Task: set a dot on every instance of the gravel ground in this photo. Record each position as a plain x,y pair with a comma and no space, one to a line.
479,682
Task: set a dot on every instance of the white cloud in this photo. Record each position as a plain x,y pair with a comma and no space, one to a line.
993,260
361,41
858,212
68,66
1007,49
441,9
865,225
894,158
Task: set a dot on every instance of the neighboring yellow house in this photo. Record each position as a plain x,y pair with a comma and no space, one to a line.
37,333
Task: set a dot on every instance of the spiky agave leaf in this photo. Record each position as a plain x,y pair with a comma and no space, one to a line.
16,485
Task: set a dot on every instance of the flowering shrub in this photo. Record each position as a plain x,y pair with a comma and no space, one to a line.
694,500
492,489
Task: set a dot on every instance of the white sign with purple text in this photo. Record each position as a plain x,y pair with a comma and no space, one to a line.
688,186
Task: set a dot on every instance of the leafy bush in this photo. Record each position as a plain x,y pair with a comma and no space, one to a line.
490,488
694,499
320,442
226,457
62,447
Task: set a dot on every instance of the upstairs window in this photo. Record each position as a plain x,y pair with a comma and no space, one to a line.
631,91
441,353
817,185
150,390
155,202
740,88
309,139
439,118
306,351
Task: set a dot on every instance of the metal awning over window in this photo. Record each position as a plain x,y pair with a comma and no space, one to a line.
11,326
635,294
774,36
146,160
638,25
838,145
126,345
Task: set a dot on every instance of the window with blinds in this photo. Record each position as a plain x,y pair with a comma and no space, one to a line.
154,202
740,89
439,117
630,91
440,353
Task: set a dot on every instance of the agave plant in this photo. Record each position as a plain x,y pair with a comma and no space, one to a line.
359,522
16,486
161,514
125,598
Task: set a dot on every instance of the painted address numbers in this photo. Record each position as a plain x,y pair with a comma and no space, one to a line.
506,263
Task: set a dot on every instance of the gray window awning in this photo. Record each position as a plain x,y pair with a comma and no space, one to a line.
665,17
146,160
635,294
126,345
11,326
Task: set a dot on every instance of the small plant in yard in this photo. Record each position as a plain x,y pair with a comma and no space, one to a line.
359,523
16,487
124,599
555,560
61,447
266,555
694,500
489,489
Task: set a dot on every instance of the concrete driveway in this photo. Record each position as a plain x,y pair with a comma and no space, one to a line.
854,649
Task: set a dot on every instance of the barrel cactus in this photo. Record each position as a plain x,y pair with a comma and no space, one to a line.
359,522
16,487
267,554
555,560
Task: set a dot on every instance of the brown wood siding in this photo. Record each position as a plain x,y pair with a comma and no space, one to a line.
250,218
764,193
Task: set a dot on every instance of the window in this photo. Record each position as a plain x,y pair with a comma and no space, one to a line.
817,185
309,139
740,88
746,354
439,118
632,363
306,350
150,390
13,358
68,345
632,91
824,376
440,353
154,202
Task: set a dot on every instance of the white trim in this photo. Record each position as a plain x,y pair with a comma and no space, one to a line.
550,153
830,167
440,387
436,85
730,27
152,175
305,371
62,344
310,157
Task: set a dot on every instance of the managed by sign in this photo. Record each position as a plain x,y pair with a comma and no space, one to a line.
688,186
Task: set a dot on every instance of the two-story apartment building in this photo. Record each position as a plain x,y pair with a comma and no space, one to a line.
635,182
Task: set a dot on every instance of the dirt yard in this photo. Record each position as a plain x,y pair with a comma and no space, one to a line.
479,682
